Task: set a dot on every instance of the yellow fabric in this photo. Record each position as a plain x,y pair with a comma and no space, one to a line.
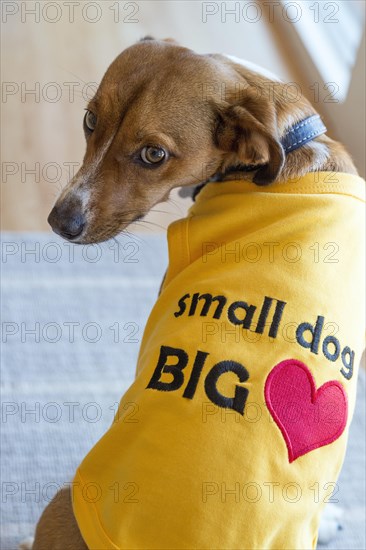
177,472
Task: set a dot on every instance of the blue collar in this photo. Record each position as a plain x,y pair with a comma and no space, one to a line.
302,132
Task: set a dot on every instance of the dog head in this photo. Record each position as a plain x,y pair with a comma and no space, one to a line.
164,117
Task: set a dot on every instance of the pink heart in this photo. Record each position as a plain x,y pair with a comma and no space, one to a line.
308,418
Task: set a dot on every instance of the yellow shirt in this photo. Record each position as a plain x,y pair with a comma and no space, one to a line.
234,432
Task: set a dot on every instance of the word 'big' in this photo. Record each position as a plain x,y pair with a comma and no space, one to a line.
235,402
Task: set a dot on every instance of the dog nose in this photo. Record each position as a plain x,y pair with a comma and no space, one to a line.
68,224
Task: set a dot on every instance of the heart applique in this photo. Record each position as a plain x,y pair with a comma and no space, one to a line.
308,418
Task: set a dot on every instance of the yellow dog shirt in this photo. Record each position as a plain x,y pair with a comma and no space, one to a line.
233,434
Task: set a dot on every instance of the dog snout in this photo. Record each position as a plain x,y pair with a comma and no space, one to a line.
67,222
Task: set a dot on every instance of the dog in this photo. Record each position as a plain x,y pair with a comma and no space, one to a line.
241,435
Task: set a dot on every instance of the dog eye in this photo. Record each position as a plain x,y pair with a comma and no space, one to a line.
153,155
90,121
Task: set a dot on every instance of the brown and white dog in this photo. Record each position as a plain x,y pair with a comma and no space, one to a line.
166,117
173,119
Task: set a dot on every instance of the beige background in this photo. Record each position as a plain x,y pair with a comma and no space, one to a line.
42,131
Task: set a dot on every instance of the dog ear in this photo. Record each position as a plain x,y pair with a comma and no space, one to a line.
149,37
248,132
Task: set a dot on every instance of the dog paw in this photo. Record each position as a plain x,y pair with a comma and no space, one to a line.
330,523
26,544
